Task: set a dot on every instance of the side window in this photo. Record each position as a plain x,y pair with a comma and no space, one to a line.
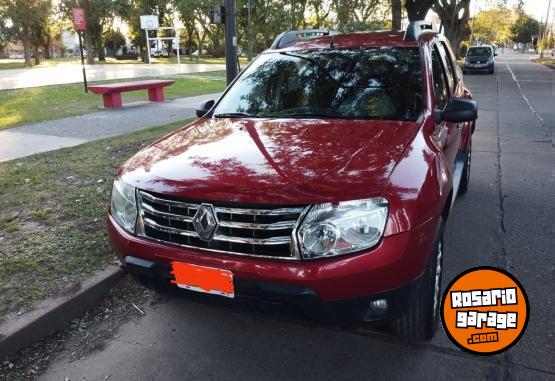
452,61
440,87
449,69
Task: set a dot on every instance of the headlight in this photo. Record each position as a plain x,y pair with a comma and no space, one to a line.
342,228
124,207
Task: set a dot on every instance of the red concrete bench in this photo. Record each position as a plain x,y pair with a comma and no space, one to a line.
111,92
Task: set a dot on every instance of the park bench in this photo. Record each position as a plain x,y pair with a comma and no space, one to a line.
111,92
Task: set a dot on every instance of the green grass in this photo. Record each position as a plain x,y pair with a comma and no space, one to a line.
52,213
20,106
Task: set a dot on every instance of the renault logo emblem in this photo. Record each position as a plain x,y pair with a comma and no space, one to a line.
205,222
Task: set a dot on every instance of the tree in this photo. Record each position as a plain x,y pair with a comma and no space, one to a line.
396,14
99,14
454,15
114,39
417,9
493,25
7,33
130,11
29,18
524,29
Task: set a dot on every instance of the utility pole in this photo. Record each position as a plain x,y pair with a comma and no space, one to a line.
249,31
544,34
230,41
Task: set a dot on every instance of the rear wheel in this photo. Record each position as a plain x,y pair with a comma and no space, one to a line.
465,176
420,320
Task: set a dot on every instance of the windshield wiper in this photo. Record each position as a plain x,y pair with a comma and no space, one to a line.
299,115
232,115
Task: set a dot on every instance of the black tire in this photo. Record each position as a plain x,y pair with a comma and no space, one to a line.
420,319
491,71
465,176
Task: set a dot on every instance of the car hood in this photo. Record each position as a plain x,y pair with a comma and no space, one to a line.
271,161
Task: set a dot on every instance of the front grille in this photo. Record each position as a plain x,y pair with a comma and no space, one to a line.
241,230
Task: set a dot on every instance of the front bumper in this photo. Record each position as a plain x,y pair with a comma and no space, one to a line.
283,299
478,67
322,286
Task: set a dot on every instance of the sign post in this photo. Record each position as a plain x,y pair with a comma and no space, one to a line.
80,24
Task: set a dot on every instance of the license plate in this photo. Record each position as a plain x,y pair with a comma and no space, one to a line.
208,280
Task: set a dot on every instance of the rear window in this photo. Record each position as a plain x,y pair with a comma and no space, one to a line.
479,52
374,83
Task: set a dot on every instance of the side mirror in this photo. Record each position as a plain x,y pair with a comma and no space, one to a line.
459,110
204,107
495,54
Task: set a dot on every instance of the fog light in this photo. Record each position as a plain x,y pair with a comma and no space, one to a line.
379,307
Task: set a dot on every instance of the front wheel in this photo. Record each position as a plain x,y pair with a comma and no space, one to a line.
420,319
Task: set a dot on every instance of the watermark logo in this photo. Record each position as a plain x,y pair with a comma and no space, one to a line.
485,310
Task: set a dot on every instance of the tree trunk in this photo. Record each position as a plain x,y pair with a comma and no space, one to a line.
395,15
47,55
37,54
26,49
417,9
101,52
455,23
89,46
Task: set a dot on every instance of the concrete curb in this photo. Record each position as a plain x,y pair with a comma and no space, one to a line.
53,314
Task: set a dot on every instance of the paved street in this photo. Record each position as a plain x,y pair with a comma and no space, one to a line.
71,73
505,220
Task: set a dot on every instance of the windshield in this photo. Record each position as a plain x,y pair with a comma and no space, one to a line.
376,83
475,52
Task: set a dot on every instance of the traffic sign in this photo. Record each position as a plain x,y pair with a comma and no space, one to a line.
79,19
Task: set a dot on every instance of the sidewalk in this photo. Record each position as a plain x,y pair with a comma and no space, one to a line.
55,134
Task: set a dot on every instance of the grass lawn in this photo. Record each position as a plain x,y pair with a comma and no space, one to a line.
21,106
52,211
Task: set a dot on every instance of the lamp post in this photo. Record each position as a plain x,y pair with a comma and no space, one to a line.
545,29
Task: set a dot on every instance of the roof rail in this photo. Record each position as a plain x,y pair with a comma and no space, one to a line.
417,28
292,36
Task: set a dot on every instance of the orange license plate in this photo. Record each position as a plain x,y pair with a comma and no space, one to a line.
208,280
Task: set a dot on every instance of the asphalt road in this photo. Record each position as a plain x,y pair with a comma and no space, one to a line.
505,220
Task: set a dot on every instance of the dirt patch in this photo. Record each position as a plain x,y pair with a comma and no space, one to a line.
84,335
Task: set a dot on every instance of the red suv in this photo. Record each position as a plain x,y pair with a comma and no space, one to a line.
321,179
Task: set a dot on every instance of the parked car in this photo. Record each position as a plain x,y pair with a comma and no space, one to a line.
322,179
159,53
480,59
